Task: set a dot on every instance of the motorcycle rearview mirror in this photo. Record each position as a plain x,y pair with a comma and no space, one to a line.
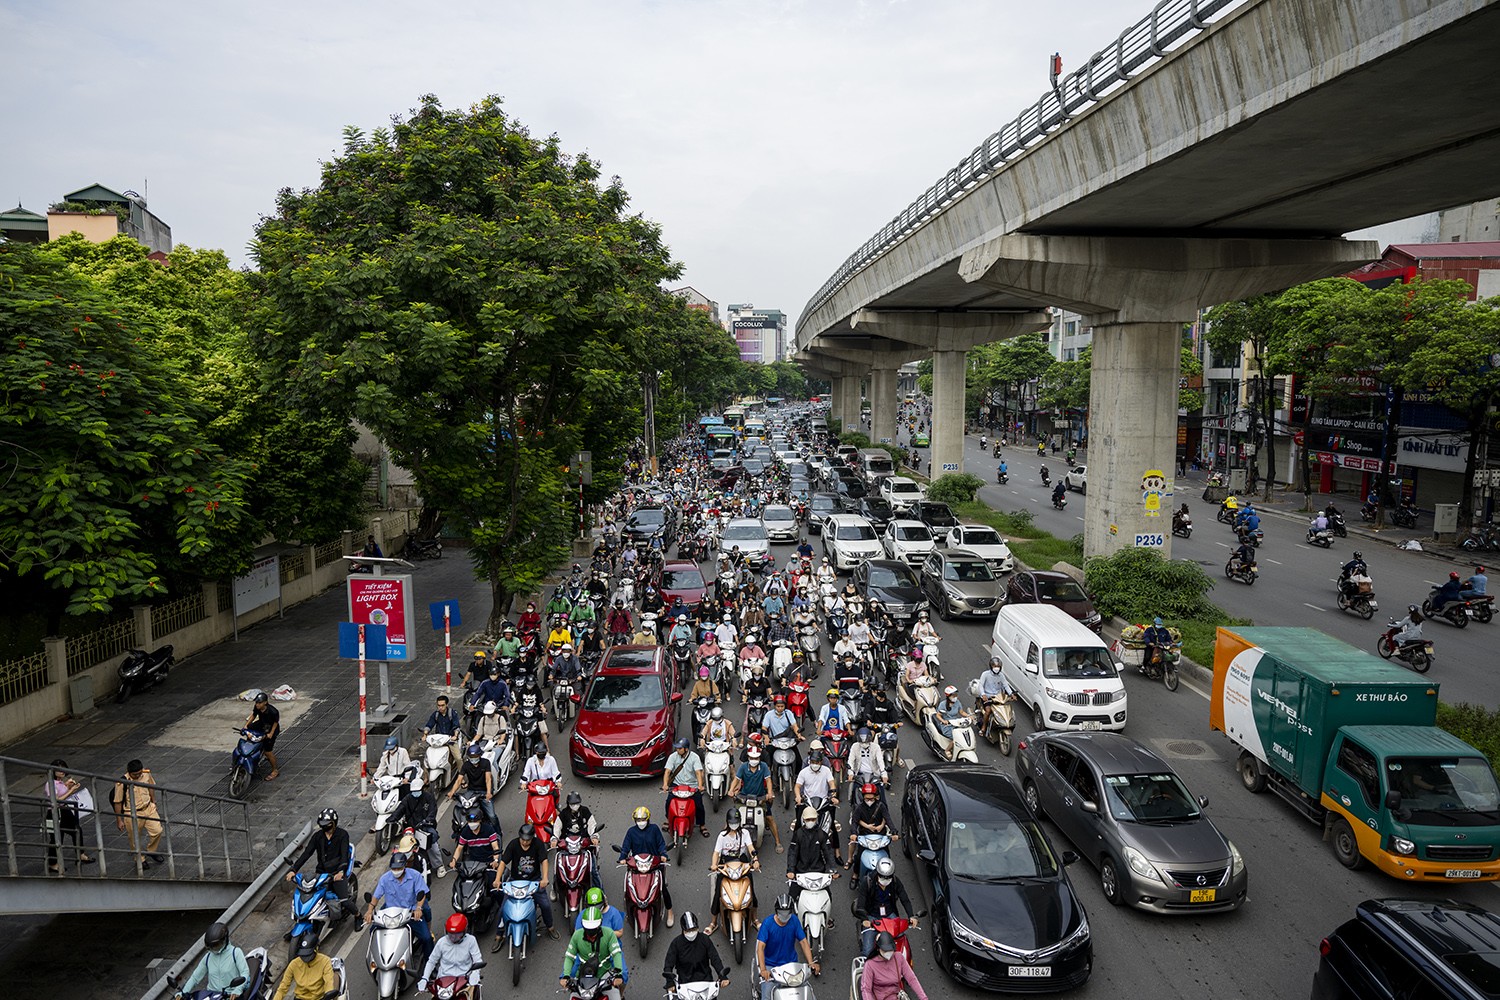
478,965
614,847
919,914
1068,857
369,896
237,981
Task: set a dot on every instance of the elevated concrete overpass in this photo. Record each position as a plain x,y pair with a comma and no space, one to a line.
1225,168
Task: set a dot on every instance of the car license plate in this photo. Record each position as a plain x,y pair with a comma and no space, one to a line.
1029,971
1202,895
617,762
1463,873
1091,725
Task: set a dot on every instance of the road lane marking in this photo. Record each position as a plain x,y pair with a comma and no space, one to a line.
1274,562
1078,516
1224,545
1313,606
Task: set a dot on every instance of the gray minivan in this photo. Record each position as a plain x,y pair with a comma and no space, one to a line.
875,464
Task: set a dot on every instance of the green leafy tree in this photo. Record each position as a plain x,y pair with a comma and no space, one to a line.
1065,385
115,487
480,300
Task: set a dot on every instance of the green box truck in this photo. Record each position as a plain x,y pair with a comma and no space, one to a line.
1351,742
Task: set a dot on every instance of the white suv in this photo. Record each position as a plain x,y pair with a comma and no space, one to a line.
909,541
849,540
1077,479
900,492
985,542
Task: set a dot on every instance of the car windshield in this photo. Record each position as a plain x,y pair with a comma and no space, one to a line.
853,487
907,487
778,514
625,693
1149,798
1059,590
884,576
999,848
937,512
649,516
1078,662
1447,791
982,536
855,533
681,579
824,503
744,532
753,465
914,533
878,507
969,571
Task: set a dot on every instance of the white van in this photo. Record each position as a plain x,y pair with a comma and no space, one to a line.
1061,669
875,464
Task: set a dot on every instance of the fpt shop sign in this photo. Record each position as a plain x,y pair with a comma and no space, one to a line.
385,600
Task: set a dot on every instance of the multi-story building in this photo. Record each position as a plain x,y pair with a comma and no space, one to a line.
760,333
97,213
697,300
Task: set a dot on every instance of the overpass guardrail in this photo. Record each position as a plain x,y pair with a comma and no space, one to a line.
1146,40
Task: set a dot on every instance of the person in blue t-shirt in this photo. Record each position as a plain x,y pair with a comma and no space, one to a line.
752,780
778,943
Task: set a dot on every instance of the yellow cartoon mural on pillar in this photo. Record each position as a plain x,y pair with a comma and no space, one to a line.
1153,491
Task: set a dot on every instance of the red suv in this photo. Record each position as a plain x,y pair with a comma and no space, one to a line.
627,716
680,578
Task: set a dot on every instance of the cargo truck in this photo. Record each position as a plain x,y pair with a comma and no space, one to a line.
1351,742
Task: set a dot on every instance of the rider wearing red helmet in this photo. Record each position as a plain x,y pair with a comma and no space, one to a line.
456,953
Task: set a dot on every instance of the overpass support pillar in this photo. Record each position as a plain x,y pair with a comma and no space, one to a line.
846,401
947,453
883,405
1137,293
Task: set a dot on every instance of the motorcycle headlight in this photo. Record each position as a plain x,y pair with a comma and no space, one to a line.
1236,860
1140,865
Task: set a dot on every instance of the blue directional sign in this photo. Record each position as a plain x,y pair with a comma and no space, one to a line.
349,641
436,609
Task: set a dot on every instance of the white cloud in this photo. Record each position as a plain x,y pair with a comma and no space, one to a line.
768,138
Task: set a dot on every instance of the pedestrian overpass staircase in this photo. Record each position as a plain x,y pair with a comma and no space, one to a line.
208,856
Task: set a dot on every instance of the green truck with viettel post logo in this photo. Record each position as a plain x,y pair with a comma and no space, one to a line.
1351,741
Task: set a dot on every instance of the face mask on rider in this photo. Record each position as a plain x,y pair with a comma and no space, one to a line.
887,955
809,824
883,881
641,824
474,827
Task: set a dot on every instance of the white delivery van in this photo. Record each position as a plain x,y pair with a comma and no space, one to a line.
1061,669
875,464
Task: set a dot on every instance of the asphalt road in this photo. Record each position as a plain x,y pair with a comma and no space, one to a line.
1298,892
1296,585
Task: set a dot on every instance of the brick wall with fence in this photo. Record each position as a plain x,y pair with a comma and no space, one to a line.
45,685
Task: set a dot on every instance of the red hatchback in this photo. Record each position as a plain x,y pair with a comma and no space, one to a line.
627,716
680,578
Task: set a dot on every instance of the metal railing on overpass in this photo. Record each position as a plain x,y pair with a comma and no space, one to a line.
1109,68
202,837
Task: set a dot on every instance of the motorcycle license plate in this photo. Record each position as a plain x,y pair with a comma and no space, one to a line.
1463,873
617,762
1202,895
1029,971
1090,726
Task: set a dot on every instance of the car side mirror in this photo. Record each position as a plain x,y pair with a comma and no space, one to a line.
1393,800
1068,857
1092,808
1119,666
1203,802
928,855
1030,667
676,697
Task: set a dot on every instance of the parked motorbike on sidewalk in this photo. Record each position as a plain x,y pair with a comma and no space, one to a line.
140,671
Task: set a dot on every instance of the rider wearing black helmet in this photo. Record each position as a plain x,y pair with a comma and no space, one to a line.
222,964
692,957
310,975
878,895
335,858
525,858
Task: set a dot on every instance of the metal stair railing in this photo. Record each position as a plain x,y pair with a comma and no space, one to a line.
202,837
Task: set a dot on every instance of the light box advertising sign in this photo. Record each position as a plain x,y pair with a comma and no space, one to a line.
385,600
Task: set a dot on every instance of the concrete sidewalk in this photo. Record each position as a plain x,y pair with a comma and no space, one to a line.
182,729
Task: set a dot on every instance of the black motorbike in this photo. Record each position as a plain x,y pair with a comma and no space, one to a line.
1336,523
141,671
1404,516
1046,477
1001,477
421,548
1059,500
1182,524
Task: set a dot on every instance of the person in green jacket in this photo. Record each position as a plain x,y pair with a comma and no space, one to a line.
593,944
222,964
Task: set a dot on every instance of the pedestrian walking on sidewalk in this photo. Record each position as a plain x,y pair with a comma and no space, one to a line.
134,801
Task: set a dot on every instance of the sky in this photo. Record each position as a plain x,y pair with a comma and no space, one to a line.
769,138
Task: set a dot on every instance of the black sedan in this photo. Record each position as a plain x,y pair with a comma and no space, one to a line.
1006,917
894,584
875,510
936,515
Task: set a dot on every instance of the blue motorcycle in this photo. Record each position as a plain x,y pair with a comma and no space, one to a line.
315,907
872,847
518,912
244,764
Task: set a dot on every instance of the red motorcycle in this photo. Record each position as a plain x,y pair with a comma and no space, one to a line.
541,807
896,927
835,745
574,864
681,816
644,880
797,699
455,987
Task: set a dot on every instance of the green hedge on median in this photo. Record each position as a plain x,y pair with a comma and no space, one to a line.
1476,725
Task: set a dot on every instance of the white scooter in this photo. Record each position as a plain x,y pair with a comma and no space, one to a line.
959,747
916,699
500,751
753,816
815,908
791,982
437,765
384,800
781,658
389,952
716,763
747,666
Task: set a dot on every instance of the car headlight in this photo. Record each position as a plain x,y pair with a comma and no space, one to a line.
1140,865
1077,937
1056,694
952,592
974,939
1403,846
1236,860
585,744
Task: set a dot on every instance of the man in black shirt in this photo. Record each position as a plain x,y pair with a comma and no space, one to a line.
335,857
692,957
869,815
810,850
878,896
265,719
525,860
418,810
476,776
